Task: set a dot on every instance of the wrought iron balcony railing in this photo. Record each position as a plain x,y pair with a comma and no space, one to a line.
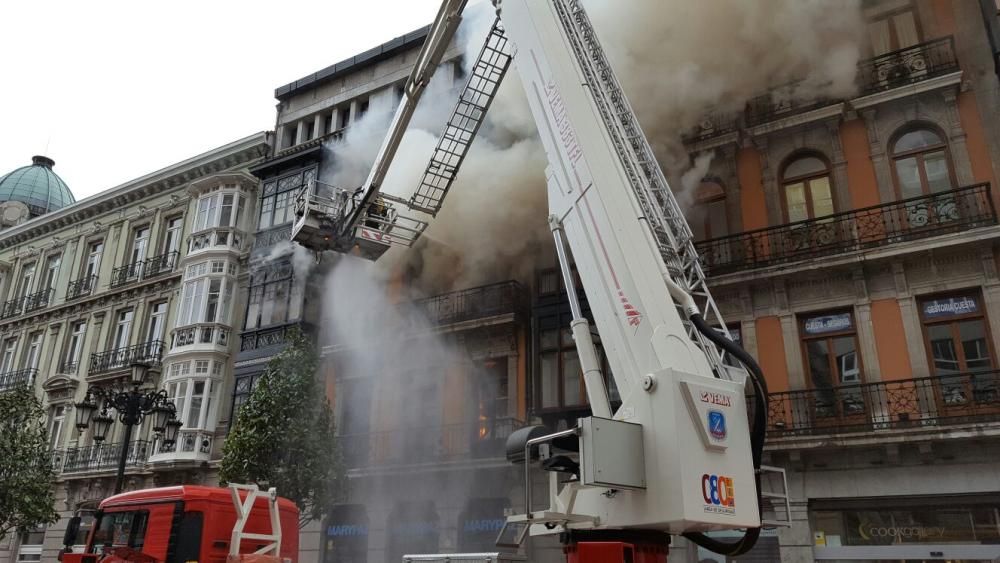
878,74
482,439
11,379
38,300
474,303
203,333
158,265
12,308
879,225
81,287
778,104
968,398
100,457
265,337
216,237
126,274
907,66
122,358
69,367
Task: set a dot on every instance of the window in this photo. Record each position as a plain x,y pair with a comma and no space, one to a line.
27,277
216,210
56,420
560,373
123,329
121,529
7,363
275,298
830,351
241,392
806,187
51,272
708,216
140,240
193,399
207,298
892,26
31,545
34,351
157,321
343,118
75,347
172,239
958,346
921,163
93,264
278,198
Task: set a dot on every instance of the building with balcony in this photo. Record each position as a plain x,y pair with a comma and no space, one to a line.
93,286
852,246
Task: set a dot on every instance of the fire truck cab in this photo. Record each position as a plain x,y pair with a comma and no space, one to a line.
182,524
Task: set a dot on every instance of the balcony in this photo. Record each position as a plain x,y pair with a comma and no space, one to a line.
207,333
217,238
12,379
191,444
128,273
777,105
453,442
908,66
267,239
122,358
158,265
68,367
926,403
103,457
904,67
266,337
475,303
81,287
879,225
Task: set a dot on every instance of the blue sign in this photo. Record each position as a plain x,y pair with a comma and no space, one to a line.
484,525
717,425
828,323
950,306
346,530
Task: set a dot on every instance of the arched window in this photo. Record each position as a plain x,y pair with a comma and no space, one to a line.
806,186
921,163
708,215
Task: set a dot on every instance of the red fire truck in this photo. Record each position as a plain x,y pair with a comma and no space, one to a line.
190,523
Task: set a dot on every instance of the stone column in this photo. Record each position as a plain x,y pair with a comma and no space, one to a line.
841,193
318,126
883,174
300,132
866,338
956,139
793,352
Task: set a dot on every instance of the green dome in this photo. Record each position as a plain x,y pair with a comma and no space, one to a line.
36,186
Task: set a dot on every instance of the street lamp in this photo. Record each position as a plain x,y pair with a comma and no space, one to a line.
131,406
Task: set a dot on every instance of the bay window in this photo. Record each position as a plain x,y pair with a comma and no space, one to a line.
206,298
275,297
217,210
194,394
277,203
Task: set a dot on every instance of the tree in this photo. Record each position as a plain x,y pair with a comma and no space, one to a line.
27,497
284,436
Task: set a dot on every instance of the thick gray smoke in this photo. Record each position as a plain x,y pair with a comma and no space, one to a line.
678,60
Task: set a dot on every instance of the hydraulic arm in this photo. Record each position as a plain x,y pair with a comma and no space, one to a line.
678,455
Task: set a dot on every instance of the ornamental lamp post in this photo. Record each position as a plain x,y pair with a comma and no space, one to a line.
131,406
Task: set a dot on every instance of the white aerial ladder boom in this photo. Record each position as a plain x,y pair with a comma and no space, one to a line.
677,455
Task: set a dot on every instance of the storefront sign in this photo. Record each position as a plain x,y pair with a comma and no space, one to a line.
950,306
346,530
905,533
828,323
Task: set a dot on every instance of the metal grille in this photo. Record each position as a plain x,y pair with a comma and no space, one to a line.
659,207
461,129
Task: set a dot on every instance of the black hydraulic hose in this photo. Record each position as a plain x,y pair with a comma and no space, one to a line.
757,435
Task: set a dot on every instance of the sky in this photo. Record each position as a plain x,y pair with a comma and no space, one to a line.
115,89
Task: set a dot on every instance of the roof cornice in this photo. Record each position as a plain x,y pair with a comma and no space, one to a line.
240,152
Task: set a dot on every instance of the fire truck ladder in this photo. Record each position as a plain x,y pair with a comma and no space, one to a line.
665,218
465,121
243,509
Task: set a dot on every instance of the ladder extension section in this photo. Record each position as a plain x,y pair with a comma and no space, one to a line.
659,207
243,509
461,129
